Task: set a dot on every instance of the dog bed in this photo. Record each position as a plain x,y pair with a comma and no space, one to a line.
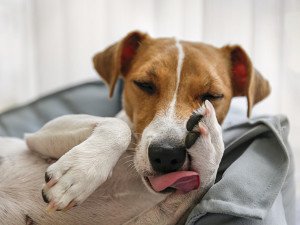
255,181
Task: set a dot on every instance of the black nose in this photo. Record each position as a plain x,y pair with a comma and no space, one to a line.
166,158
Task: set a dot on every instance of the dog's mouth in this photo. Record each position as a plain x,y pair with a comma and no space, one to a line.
181,182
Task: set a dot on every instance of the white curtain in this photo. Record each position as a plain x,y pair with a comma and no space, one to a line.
45,45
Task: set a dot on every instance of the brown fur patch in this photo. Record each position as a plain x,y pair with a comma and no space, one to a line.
206,71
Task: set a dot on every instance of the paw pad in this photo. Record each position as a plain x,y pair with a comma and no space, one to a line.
194,122
191,139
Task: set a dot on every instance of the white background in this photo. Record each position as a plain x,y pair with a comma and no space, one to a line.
48,44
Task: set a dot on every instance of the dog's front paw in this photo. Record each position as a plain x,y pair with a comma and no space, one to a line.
79,172
70,181
204,142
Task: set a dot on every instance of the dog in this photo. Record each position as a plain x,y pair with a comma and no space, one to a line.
153,162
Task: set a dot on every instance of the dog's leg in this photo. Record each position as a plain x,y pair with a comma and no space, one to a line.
206,152
86,166
60,135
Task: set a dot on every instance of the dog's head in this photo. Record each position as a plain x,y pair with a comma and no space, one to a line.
165,80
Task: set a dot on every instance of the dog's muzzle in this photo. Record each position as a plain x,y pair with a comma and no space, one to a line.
168,159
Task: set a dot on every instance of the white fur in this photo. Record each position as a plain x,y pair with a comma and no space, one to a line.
90,161
161,128
180,59
122,197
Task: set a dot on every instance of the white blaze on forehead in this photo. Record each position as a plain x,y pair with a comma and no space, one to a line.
171,110
164,125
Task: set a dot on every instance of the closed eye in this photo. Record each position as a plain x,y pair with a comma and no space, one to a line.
147,87
210,97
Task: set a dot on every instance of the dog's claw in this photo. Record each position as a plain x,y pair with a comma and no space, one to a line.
51,208
203,129
49,184
69,206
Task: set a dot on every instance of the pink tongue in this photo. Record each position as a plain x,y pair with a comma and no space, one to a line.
182,181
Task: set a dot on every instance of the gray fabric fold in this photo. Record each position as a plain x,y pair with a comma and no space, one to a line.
250,186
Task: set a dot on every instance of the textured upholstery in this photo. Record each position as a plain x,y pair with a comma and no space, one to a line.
88,98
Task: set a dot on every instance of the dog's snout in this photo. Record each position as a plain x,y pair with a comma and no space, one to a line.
165,158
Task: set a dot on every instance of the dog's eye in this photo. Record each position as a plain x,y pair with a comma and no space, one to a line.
148,87
211,97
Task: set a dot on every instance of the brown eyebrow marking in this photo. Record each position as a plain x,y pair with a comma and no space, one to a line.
206,81
152,72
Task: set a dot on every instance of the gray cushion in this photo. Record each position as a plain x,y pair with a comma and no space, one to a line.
88,98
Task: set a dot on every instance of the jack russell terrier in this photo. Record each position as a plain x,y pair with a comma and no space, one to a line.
150,165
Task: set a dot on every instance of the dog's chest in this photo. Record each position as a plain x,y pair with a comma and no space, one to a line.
123,192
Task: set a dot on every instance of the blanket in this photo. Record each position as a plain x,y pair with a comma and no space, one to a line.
255,181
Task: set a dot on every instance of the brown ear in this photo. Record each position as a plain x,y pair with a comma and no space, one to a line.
116,60
246,80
